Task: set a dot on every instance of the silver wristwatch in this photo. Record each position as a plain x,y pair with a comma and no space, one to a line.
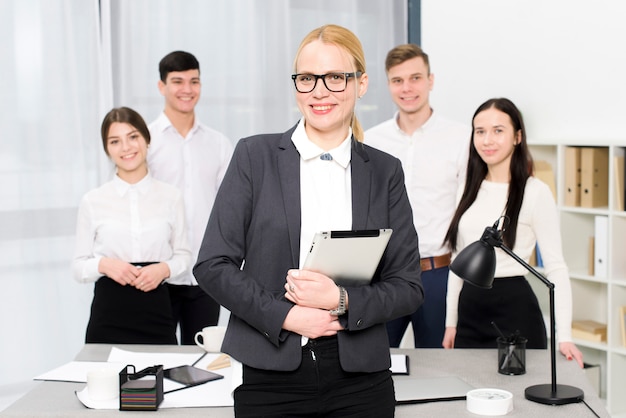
341,307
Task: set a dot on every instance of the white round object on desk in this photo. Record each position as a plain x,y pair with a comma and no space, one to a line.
489,402
103,384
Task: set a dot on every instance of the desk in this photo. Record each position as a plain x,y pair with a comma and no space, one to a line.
477,367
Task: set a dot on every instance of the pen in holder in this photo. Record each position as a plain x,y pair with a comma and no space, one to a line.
142,390
511,353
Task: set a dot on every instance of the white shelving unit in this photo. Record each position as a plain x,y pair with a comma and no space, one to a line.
594,298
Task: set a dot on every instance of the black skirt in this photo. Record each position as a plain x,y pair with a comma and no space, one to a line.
126,315
511,304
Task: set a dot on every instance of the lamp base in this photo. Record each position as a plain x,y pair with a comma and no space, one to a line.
564,394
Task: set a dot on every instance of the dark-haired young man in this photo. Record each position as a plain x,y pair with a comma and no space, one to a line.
434,152
193,157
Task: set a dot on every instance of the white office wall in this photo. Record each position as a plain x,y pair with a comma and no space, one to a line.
561,61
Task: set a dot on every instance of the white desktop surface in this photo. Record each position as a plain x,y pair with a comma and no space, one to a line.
476,367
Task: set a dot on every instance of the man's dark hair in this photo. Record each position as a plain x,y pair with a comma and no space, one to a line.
177,61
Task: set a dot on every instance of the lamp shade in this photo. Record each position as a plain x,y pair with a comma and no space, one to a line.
476,264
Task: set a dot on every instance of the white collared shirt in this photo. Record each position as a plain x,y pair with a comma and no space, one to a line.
325,188
196,165
139,222
538,223
434,160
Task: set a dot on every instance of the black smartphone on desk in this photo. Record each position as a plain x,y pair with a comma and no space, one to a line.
190,376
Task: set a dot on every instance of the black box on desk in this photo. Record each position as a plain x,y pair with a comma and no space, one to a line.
142,390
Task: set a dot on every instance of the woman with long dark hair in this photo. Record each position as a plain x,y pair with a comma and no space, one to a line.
500,184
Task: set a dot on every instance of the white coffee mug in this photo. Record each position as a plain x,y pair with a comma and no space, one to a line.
210,338
103,384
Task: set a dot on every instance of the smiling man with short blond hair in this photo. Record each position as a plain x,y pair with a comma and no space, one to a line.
433,151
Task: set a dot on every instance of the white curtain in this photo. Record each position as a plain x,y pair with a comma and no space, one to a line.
51,83
65,63
246,50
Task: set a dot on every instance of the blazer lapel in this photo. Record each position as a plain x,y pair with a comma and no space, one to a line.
288,163
361,185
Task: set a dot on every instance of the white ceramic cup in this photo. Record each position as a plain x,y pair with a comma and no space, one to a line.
103,384
210,338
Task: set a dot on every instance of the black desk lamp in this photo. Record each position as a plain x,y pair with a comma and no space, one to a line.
476,264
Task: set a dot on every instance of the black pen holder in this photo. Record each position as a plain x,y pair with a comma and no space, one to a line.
512,355
142,390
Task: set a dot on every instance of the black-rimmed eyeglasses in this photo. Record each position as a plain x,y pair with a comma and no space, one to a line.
335,82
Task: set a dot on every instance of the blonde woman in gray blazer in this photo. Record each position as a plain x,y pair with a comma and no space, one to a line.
308,346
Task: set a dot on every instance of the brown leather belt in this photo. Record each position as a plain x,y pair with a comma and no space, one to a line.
436,262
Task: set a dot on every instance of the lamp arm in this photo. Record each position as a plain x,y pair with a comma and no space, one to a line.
526,265
550,286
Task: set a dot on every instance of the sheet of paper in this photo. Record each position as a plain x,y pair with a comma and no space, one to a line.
142,360
83,397
76,371
399,364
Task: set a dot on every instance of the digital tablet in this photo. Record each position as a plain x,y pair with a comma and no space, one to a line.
348,257
190,376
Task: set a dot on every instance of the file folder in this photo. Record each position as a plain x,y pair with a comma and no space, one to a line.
543,171
591,257
601,244
594,177
618,181
572,176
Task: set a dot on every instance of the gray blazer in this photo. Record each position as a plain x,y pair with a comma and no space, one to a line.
256,219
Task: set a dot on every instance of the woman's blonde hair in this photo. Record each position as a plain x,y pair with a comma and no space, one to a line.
344,38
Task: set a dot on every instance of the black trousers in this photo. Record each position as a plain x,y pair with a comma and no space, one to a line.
510,303
192,309
318,388
429,321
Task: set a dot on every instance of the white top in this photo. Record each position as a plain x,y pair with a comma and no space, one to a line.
538,224
131,222
325,188
196,166
434,160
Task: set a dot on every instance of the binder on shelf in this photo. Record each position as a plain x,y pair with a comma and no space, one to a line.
538,258
572,176
594,177
544,172
533,259
618,181
622,323
591,259
601,243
